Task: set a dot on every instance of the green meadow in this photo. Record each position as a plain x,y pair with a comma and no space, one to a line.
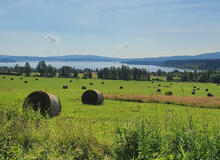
112,130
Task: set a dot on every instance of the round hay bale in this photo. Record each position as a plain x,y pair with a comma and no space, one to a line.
93,97
65,86
71,81
206,89
169,93
193,92
121,87
12,79
43,101
158,90
90,83
36,79
25,81
3,77
210,95
84,87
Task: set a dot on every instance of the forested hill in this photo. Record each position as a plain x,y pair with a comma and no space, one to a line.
6,58
208,64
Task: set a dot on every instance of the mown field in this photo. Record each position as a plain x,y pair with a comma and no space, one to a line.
114,129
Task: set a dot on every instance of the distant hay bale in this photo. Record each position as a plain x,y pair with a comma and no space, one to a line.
71,81
193,92
206,89
194,87
84,87
159,85
90,83
102,83
12,79
121,87
198,88
21,78
36,79
77,79
169,93
93,97
171,84
43,101
65,86
158,90
152,81
25,81
3,77
210,95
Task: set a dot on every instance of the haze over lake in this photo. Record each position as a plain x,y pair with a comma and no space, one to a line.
91,65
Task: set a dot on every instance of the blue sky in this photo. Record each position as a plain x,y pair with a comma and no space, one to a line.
115,28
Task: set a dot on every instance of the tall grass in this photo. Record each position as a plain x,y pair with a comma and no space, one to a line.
176,141
200,102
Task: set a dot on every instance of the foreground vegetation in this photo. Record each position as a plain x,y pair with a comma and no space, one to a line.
114,130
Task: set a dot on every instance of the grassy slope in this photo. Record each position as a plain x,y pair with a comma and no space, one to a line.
103,118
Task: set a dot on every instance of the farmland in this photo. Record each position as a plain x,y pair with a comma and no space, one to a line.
98,125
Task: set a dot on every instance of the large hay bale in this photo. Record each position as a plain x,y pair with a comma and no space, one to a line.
93,97
84,87
45,102
169,93
65,86
210,95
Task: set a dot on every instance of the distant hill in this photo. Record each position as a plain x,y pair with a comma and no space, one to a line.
162,60
6,58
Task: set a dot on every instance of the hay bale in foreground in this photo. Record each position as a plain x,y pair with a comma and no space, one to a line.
45,102
65,86
93,97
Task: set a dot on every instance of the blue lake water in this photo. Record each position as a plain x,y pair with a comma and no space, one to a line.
91,65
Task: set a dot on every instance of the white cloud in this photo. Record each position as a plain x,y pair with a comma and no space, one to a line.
52,38
123,45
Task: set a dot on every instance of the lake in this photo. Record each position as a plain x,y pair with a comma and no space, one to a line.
91,65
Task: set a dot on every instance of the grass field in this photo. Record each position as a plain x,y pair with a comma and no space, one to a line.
98,125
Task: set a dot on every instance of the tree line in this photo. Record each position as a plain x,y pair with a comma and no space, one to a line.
114,73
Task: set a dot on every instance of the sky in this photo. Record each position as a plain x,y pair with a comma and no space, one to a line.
113,28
